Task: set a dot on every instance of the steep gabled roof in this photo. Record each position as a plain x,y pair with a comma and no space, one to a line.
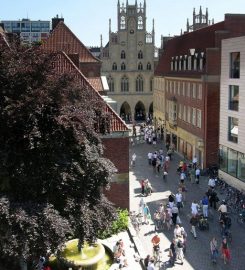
199,39
96,83
63,39
66,65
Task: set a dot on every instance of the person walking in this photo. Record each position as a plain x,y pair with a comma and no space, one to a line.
205,206
178,198
179,253
142,184
194,208
194,222
214,249
225,250
175,213
172,253
146,214
198,172
133,159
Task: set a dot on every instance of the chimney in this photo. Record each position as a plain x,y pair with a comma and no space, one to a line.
55,21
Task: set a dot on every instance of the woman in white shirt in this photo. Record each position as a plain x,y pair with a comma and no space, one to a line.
194,208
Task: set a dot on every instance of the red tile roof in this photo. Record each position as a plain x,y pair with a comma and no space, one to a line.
96,83
65,64
63,39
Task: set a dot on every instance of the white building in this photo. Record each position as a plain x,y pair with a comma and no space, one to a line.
232,112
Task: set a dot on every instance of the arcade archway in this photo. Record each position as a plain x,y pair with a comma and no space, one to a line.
125,112
139,112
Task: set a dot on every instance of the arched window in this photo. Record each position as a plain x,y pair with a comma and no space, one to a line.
123,66
124,84
139,84
140,55
123,55
140,23
140,66
110,83
148,67
123,23
114,66
151,84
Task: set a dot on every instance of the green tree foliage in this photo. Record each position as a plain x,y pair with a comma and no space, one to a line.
51,167
119,225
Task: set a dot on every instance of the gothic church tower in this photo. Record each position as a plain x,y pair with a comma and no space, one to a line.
128,62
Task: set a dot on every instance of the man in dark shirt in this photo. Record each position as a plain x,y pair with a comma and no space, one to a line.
172,253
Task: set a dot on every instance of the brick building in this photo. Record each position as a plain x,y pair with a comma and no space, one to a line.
74,56
188,81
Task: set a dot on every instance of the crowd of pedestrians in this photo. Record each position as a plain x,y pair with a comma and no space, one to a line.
168,215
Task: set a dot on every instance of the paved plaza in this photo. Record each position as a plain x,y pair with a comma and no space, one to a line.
197,256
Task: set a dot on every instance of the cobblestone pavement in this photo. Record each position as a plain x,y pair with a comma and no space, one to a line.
197,256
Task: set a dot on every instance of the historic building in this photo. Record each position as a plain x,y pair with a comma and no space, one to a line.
232,112
29,31
75,57
188,86
128,62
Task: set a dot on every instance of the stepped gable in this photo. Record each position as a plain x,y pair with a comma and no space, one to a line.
63,39
65,64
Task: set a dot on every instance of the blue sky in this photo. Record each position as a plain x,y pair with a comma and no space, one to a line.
88,19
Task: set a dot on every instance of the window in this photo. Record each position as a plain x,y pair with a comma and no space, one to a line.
148,67
140,55
223,155
151,84
188,89
193,116
124,84
233,129
235,65
140,66
178,88
123,23
114,66
180,111
184,113
199,118
123,55
140,23
110,83
232,162
199,91
139,84
123,66
189,114
241,166
194,91
233,97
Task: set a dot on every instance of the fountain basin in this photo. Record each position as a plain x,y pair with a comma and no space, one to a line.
89,255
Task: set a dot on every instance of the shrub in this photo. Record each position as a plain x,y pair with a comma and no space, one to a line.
119,225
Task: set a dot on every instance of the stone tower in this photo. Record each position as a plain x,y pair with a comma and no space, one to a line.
200,20
128,62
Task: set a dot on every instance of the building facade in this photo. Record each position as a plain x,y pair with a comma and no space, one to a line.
29,31
190,67
128,62
76,58
232,112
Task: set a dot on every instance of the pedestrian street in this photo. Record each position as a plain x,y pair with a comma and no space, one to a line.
197,254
